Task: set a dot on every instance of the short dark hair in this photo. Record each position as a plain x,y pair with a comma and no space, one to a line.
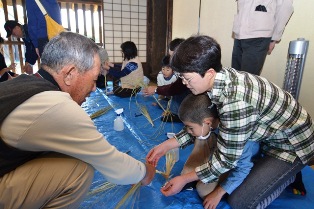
197,54
175,43
165,61
194,108
129,50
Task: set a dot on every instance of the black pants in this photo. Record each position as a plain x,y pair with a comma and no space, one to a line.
123,92
41,44
249,54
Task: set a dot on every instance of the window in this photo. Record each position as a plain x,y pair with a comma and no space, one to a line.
124,21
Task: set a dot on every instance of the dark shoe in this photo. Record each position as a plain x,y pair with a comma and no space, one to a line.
311,162
298,186
190,186
171,118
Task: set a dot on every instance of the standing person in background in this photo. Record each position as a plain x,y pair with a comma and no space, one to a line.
6,73
258,26
130,74
37,27
52,163
21,31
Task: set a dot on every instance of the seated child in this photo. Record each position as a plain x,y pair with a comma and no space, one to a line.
201,119
130,74
166,75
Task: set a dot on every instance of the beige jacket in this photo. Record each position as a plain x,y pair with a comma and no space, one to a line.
52,121
249,23
134,79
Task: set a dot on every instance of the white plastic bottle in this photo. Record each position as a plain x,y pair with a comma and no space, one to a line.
118,124
175,151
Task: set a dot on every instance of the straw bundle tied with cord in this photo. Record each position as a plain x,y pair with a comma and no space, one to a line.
53,28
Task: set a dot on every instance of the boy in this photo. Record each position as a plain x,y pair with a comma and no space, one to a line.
167,76
200,117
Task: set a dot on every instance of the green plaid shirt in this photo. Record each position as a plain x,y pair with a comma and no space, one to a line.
252,108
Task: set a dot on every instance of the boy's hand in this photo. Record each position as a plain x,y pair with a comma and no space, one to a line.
173,186
176,184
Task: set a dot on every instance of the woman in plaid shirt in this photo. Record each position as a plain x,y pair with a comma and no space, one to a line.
250,109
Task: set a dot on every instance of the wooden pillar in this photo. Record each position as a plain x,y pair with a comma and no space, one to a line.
159,26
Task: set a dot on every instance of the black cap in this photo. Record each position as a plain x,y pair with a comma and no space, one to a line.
9,26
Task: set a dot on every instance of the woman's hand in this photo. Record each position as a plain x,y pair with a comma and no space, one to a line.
150,90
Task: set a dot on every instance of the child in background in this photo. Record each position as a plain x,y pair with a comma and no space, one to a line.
174,44
166,75
201,122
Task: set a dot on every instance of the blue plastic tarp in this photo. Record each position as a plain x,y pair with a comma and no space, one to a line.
138,137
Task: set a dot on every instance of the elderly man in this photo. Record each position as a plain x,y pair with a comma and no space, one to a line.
17,30
49,146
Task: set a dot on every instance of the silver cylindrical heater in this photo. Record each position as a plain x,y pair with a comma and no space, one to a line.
295,65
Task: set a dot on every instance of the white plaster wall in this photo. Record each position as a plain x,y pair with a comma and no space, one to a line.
216,20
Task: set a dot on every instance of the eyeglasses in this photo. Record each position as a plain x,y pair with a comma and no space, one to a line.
184,80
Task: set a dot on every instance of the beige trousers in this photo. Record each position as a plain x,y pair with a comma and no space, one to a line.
201,153
50,181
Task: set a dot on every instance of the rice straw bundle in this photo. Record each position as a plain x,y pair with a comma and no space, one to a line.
130,196
170,161
139,83
159,103
167,113
145,112
100,112
103,187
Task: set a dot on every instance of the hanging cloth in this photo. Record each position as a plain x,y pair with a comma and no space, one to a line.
53,28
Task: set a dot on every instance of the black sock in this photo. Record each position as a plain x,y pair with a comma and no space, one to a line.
297,185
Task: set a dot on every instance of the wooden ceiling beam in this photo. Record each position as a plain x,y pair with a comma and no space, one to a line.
97,2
